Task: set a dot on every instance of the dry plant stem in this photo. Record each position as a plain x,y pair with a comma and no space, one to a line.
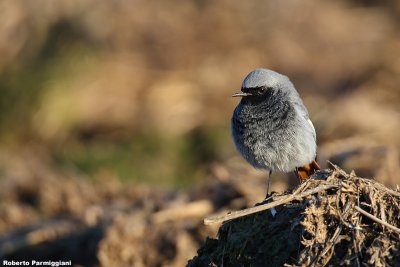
372,217
333,239
298,190
356,230
388,190
338,210
335,236
356,248
245,212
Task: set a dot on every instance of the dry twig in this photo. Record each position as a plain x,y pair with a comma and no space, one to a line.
245,212
372,217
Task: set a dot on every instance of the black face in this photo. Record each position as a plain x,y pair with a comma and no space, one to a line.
258,92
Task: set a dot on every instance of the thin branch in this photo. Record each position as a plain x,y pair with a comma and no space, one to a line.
355,244
245,212
335,236
372,217
388,190
329,245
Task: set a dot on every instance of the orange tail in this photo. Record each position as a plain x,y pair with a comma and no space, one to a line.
304,173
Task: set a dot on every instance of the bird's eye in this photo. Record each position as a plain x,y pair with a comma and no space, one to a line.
264,90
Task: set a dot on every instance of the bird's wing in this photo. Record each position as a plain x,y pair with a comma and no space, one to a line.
310,122
313,128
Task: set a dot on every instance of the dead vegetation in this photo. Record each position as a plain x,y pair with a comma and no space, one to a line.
335,218
348,220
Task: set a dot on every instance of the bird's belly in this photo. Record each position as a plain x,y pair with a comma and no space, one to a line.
276,149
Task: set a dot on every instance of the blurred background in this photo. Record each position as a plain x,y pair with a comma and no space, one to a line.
114,115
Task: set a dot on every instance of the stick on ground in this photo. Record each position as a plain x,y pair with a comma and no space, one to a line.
245,212
372,217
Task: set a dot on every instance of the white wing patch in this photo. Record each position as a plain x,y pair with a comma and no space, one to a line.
312,125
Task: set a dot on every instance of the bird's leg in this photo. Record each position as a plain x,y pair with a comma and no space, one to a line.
268,182
272,210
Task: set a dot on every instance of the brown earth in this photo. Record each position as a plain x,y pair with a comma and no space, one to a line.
104,222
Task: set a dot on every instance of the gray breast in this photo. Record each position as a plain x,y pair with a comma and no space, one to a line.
273,136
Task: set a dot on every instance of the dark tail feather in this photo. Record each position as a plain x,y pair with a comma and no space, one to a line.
304,173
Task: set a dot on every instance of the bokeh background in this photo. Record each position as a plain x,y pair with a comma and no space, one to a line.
114,115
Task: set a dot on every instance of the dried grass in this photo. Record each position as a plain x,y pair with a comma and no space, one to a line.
349,221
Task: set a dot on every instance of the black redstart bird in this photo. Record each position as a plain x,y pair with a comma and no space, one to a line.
271,127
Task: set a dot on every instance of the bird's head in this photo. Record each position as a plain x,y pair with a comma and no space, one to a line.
263,83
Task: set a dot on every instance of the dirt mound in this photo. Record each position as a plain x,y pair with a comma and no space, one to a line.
45,215
333,219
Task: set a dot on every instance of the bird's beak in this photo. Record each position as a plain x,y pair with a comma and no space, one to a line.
241,94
